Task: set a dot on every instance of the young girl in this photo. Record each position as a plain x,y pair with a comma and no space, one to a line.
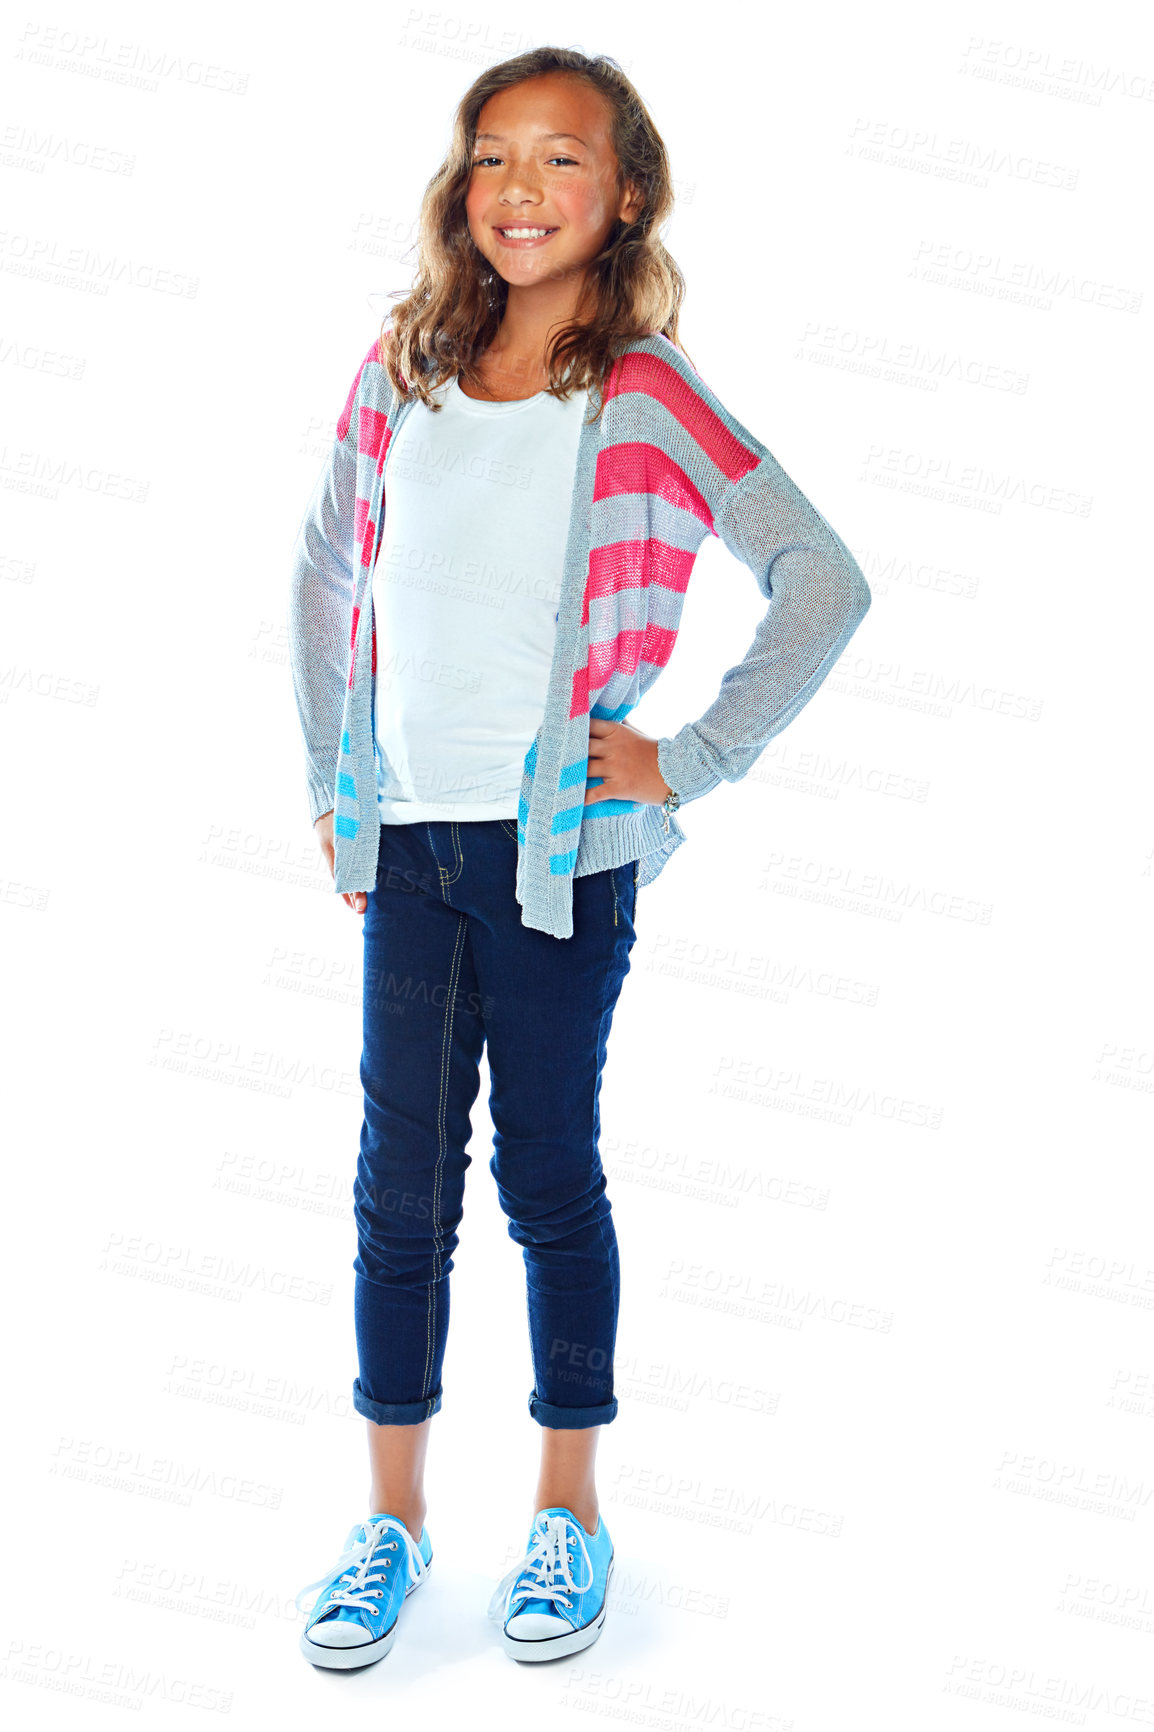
525,467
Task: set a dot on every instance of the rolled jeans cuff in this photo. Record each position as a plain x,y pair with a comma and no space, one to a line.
395,1412
570,1418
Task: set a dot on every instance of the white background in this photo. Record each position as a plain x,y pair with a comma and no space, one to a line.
876,1111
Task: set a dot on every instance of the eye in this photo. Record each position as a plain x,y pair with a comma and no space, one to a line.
479,161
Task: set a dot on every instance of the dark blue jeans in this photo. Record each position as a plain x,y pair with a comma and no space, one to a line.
448,969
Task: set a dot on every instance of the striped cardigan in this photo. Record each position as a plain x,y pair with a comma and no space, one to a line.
665,465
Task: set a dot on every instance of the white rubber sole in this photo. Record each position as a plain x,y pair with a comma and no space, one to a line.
555,1647
366,1653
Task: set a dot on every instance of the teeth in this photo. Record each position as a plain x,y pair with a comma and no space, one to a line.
524,234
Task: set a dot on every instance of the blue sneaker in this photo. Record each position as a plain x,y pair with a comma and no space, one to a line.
353,1620
553,1602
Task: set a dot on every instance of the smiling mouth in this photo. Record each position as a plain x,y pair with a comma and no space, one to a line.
525,232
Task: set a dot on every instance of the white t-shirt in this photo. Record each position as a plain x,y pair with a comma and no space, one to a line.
465,591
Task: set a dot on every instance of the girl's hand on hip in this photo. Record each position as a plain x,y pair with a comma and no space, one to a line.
356,899
626,759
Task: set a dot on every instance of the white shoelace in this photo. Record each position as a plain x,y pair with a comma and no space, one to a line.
361,1583
546,1563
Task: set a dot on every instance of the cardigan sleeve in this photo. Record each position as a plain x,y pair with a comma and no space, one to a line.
320,609
817,596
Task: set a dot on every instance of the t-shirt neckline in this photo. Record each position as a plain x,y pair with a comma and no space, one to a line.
479,406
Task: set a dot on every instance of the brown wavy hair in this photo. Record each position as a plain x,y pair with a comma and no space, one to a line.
454,309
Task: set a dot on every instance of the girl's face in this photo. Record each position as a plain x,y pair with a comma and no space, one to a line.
544,159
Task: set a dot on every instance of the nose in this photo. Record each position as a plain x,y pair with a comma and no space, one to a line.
519,187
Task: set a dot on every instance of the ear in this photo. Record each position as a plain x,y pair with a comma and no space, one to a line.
632,203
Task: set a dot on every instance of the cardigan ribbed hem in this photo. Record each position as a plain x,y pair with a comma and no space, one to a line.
609,842
605,843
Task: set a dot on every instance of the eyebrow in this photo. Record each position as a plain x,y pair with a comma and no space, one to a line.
498,137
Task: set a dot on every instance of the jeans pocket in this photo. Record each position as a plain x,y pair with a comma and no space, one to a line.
447,875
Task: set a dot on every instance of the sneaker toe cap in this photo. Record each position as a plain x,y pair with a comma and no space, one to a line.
537,1626
339,1631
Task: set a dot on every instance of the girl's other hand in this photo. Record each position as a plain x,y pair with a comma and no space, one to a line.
627,760
356,899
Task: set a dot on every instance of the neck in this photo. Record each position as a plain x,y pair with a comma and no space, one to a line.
531,317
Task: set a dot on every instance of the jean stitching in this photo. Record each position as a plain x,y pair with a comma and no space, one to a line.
436,862
594,1150
458,852
444,876
446,1047
509,829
